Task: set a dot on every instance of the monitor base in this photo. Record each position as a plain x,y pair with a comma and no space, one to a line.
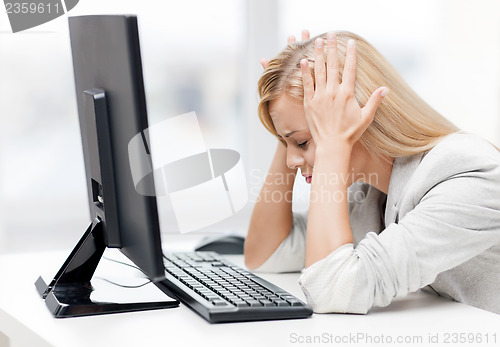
68,294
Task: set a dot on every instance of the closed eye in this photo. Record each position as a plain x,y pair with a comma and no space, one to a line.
302,145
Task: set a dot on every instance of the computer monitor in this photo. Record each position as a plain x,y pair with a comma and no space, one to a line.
112,110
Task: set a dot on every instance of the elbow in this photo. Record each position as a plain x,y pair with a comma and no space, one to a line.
333,287
251,260
256,254
250,263
328,301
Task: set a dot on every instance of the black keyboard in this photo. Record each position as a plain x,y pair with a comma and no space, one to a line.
220,291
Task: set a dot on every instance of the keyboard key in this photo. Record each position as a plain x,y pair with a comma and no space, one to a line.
254,303
219,303
267,302
280,302
295,302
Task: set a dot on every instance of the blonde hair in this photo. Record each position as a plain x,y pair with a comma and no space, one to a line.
404,124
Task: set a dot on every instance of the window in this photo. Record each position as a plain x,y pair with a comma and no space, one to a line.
204,56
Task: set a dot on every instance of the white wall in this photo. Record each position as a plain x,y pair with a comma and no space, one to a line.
465,84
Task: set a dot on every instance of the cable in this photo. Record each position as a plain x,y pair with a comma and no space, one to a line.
123,263
123,285
167,291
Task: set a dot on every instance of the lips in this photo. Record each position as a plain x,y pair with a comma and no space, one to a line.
308,178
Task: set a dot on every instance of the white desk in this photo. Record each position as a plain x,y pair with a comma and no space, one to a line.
26,321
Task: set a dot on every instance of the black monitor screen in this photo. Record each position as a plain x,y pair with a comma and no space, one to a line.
106,56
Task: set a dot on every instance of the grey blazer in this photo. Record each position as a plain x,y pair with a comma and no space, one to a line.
438,228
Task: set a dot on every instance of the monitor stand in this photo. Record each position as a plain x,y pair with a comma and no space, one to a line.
68,294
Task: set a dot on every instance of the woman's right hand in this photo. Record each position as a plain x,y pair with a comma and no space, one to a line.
305,36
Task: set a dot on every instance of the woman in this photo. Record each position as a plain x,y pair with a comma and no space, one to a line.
400,198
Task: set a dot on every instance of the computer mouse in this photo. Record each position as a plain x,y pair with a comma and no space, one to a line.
225,244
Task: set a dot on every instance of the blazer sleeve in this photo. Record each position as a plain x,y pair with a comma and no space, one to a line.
455,220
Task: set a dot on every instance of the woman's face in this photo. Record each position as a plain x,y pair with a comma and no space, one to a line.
290,122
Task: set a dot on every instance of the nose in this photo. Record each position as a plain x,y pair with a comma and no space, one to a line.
294,158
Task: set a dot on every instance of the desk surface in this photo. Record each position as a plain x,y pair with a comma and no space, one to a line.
418,317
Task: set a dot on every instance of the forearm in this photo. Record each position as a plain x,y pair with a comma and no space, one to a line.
272,217
328,224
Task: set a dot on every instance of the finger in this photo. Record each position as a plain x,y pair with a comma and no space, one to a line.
291,38
264,62
332,62
349,74
319,64
305,35
307,80
370,108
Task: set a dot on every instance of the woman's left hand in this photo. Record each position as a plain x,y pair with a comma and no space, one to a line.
332,111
